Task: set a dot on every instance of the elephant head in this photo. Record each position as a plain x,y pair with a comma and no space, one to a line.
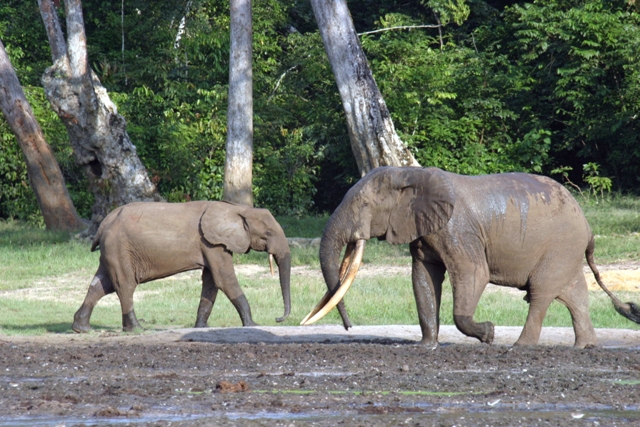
391,203
241,228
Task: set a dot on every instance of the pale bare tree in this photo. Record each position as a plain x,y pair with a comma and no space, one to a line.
374,140
96,131
239,157
44,172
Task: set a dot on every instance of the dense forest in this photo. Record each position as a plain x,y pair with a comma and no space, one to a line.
473,86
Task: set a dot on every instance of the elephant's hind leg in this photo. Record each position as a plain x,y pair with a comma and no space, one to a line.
100,286
207,298
125,283
576,299
542,290
538,306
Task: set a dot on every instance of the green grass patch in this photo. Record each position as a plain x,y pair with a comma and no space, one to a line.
627,382
44,277
306,226
615,223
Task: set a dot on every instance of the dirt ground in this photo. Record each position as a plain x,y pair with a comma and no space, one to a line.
182,378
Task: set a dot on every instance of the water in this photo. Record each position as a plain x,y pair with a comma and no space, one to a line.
469,413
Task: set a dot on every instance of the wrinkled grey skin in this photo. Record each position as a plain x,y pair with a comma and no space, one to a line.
141,242
514,229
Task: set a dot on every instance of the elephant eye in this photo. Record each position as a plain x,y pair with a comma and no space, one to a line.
268,233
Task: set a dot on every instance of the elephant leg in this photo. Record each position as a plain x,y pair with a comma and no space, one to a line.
576,299
467,290
538,305
427,281
129,319
207,298
100,286
220,262
125,284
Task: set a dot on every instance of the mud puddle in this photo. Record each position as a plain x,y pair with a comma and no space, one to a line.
376,415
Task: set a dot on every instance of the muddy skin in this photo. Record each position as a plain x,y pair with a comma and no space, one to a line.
102,382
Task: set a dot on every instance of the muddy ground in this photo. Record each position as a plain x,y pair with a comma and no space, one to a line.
167,380
372,376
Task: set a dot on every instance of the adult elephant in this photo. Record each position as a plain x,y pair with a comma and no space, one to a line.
141,242
513,229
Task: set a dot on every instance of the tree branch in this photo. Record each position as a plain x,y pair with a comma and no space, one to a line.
54,32
280,81
403,27
76,38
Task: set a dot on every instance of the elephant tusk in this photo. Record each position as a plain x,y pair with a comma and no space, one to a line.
344,286
346,262
271,264
325,299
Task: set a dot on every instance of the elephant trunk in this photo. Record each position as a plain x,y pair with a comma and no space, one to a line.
284,270
338,277
330,247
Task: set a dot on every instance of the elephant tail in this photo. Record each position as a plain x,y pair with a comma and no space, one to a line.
96,239
629,310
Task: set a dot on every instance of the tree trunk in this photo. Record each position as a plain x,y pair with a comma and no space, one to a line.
44,173
239,158
96,131
374,140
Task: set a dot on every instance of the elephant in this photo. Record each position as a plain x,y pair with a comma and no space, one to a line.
144,241
512,229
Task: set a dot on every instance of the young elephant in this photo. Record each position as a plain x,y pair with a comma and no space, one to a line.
514,229
141,242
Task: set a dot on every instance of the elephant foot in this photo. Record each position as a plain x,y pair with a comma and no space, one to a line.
130,322
483,331
80,328
490,333
81,321
200,324
586,344
429,344
242,306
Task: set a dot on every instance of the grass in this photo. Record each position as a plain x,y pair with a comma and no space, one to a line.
44,277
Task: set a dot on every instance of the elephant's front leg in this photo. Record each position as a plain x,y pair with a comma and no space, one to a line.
207,298
468,285
427,281
220,263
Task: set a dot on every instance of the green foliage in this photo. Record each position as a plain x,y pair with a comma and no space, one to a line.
546,86
286,184
598,184
449,10
17,200
582,58
427,90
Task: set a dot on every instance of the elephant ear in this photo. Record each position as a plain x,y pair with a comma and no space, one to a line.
223,225
424,205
